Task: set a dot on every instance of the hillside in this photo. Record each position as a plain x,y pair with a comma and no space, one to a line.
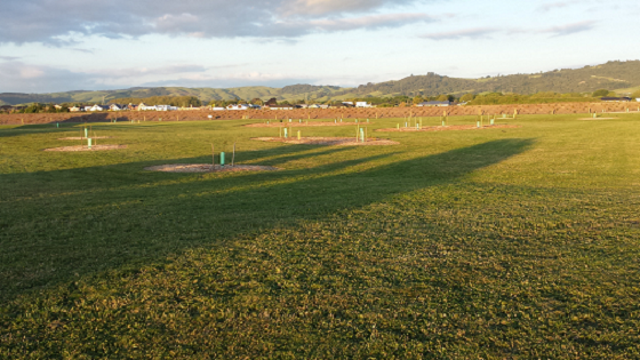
615,75
612,75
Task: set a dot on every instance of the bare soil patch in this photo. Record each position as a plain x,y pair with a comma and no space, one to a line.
306,124
84,138
334,141
597,119
449,128
206,168
86,148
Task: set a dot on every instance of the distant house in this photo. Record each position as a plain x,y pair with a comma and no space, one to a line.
616,99
95,108
166,108
348,104
282,107
6,108
218,108
434,103
76,108
57,107
315,106
363,104
116,107
240,107
638,99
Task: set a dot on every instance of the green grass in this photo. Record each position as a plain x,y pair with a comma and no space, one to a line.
504,243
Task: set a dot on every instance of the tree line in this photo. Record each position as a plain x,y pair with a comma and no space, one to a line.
179,101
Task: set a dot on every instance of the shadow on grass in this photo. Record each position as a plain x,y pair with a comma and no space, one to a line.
46,241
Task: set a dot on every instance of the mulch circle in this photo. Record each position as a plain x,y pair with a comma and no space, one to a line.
340,141
84,138
448,128
86,148
207,168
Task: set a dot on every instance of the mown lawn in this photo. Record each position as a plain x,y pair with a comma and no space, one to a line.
495,244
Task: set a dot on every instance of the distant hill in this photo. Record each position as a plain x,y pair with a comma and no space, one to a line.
622,77
613,75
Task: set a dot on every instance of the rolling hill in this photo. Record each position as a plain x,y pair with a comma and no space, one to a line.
620,76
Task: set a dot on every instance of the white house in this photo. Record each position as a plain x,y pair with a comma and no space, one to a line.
218,108
116,107
166,108
363,104
638,99
76,108
96,108
434,103
282,107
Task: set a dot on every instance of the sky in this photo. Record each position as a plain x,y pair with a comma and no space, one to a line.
62,45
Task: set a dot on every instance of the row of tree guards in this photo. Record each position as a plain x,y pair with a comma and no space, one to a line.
222,156
361,133
87,131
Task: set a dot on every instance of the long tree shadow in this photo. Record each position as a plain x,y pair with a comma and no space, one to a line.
48,241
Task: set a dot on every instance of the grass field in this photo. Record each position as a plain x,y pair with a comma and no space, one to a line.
495,244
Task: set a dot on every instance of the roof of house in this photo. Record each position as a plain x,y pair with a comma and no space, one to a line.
616,98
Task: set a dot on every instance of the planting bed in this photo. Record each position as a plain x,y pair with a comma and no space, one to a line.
206,168
448,128
84,138
341,141
86,148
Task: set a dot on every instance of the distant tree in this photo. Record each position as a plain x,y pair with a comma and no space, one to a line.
443,98
636,95
601,93
33,108
467,97
257,101
272,102
418,99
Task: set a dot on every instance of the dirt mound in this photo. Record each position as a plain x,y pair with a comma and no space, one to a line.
340,141
306,124
596,119
86,148
206,168
449,128
84,138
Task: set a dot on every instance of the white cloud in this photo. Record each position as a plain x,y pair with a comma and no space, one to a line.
569,29
21,77
40,20
460,34
556,5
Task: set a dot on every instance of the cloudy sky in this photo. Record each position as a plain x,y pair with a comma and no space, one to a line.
61,45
